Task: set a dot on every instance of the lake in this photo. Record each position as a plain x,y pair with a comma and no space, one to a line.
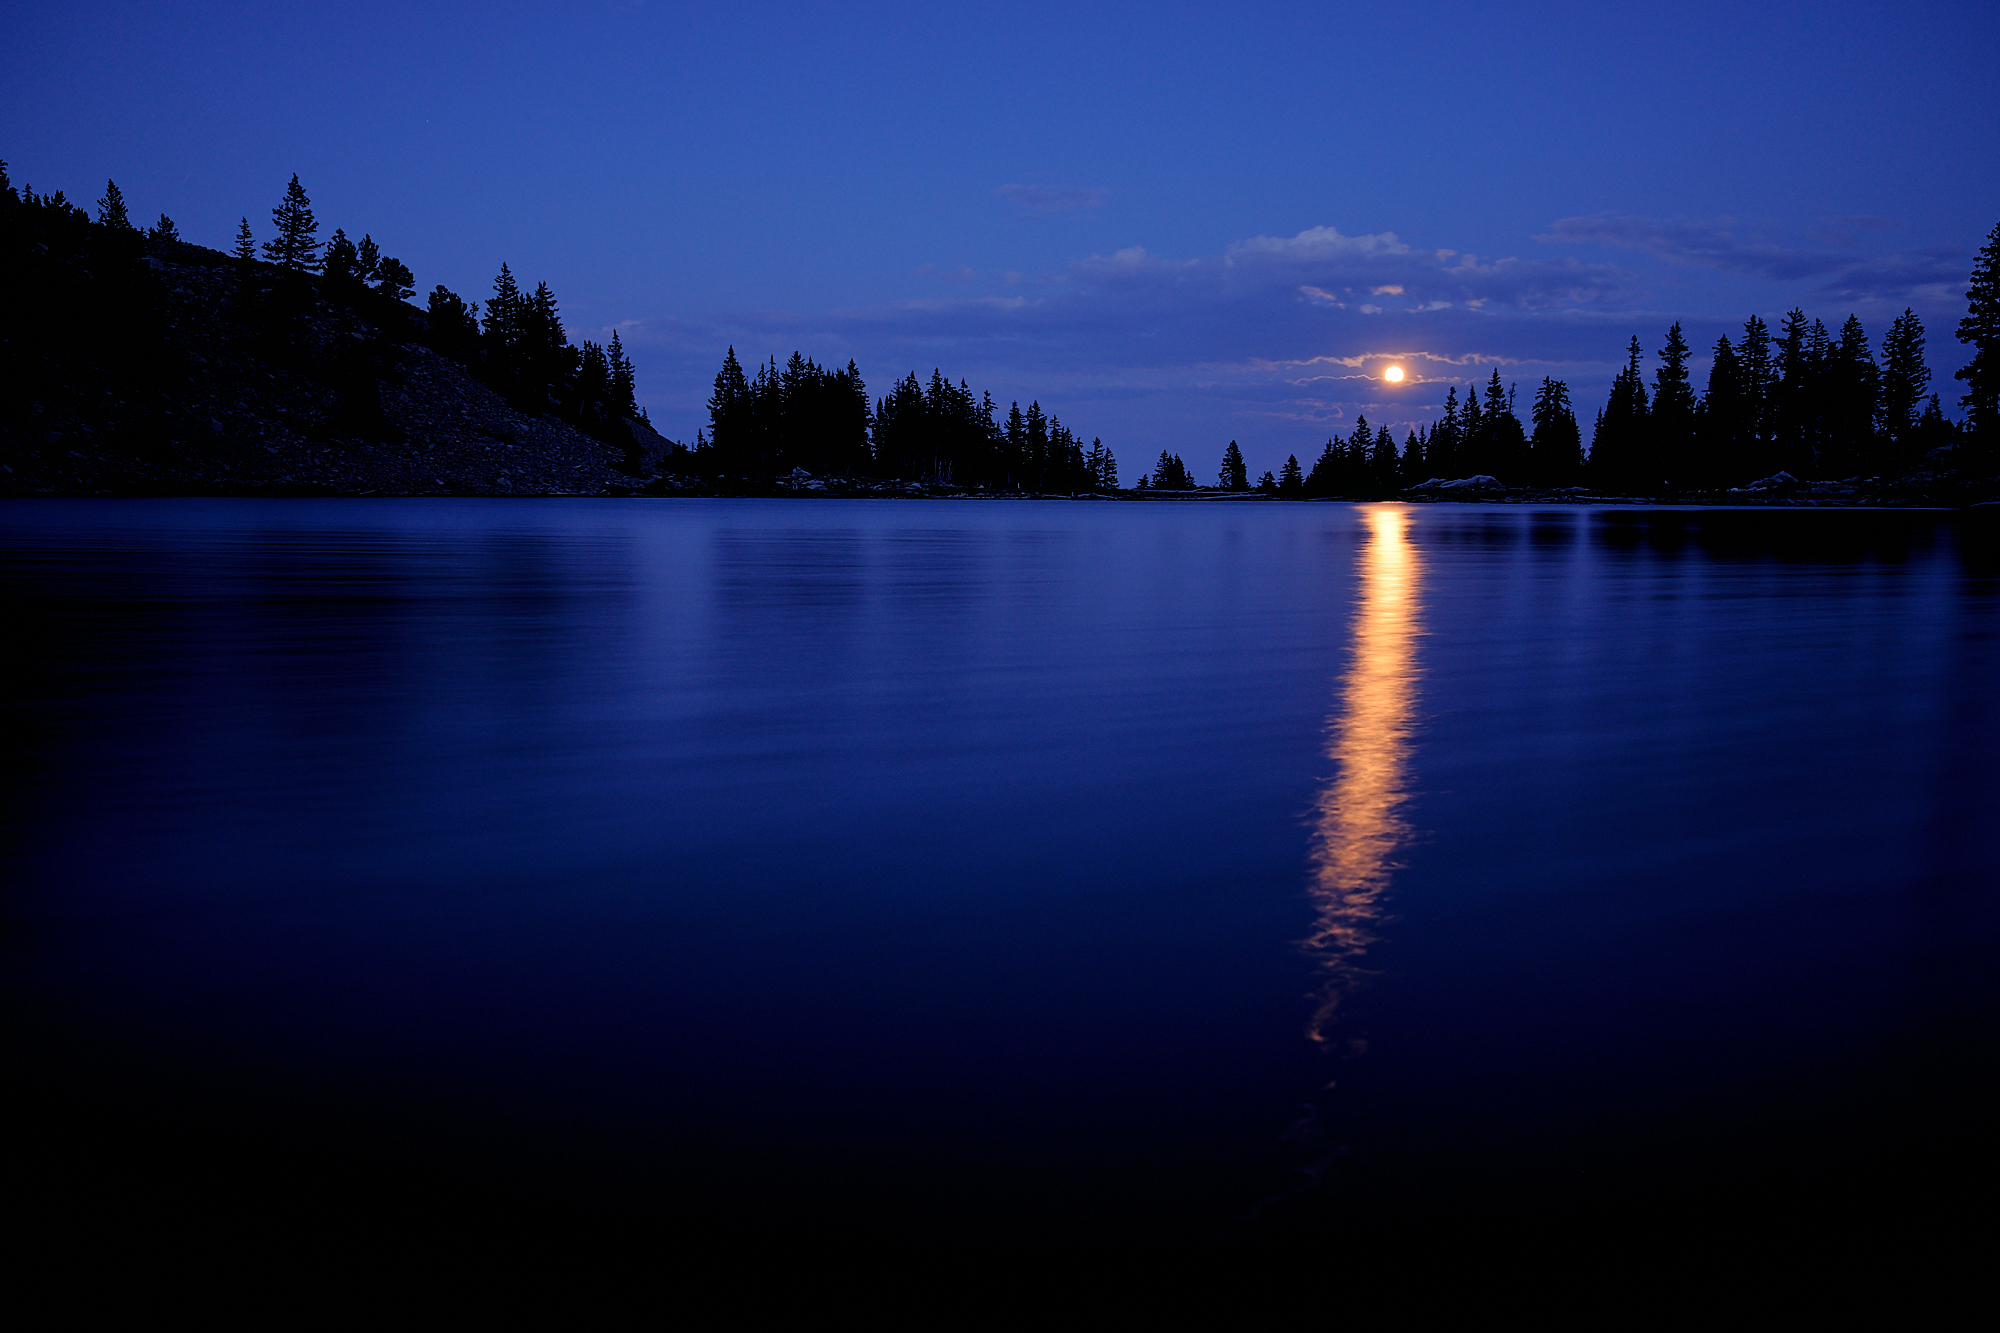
1193,876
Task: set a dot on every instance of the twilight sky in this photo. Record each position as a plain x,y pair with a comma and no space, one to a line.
1173,227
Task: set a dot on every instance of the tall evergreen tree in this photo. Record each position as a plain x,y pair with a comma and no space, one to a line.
394,280
503,333
1415,463
454,325
1796,410
1981,328
111,208
246,244
1291,480
164,230
296,246
1444,452
1472,434
1618,449
1722,422
1171,474
623,381
1673,412
1235,475
1905,382
1506,443
1759,380
1557,446
1382,460
1852,398
729,411
338,262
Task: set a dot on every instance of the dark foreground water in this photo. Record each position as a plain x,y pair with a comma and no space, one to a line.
1193,878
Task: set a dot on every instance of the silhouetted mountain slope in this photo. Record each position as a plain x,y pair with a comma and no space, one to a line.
147,366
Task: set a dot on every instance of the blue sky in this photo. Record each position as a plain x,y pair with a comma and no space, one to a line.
1172,226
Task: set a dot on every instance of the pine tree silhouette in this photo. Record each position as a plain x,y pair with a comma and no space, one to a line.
295,246
1235,476
1981,328
1905,382
111,208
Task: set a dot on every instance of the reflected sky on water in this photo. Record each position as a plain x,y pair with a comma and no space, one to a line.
1000,859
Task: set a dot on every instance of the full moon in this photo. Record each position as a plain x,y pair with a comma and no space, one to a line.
1394,374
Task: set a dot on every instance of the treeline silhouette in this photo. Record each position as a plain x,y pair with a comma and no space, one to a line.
518,347
1803,401
820,421
93,303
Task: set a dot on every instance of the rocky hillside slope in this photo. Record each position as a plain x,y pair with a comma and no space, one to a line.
170,369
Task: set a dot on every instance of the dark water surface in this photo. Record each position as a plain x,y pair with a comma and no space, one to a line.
1177,874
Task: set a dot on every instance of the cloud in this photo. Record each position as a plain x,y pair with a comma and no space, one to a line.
1275,341
1051,199
1271,341
1718,245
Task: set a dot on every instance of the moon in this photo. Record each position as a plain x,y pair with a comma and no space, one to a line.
1394,374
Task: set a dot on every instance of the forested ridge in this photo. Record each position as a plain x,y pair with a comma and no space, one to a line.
1801,407
138,362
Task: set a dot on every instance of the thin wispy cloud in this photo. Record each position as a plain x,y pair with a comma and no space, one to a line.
1051,199
1277,334
1724,246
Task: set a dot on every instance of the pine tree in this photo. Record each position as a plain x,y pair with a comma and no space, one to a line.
1905,382
1981,328
1795,397
729,409
1291,480
295,247
454,325
111,208
1673,412
1471,435
1759,379
593,386
246,244
1618,453
1382,460
1557,446
1853,399
1411,470
1721,421
1171,474
623,382
338,264
1235,476
1328,474
503,312
1444,453
394,280
1506,442
367,259
1267,484
164,230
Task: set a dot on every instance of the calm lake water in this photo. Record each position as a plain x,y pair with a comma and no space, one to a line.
1198,874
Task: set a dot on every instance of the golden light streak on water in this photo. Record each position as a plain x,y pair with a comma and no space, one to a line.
1358,821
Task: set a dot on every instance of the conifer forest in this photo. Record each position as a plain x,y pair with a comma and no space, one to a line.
1802,402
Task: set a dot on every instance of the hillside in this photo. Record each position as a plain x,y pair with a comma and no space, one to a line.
144,366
